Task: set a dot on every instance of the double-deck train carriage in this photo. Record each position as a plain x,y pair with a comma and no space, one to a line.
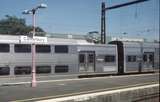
71,56
57,56
137,56
52,57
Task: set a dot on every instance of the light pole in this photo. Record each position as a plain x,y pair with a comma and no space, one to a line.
33,11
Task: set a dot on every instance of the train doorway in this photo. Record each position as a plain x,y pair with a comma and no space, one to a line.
86,61
148,60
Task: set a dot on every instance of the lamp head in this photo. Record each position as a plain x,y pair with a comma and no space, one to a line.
27,12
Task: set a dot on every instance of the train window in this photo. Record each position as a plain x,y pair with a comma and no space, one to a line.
134,59
4,48
43,48
145,58
21,48
61,69
90,58
109,58
4,70
131,58
22,70
151,58
81,58
61,49
43,69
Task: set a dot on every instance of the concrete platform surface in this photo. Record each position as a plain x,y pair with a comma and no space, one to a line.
63,88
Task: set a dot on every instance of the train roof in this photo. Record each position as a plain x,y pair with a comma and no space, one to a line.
54,41
136,44
16,39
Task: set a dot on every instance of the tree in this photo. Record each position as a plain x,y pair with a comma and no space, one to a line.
12,25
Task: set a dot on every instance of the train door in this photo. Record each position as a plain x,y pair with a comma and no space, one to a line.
148,60
86,61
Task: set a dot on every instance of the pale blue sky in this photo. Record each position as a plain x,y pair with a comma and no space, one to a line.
82,16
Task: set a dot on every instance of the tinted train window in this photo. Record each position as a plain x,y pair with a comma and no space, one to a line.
61,69
81,58
4,70
4,48
22,70
61,49
145,58
21,48
43,69
151,58
109,58
91,58
131,58
43,48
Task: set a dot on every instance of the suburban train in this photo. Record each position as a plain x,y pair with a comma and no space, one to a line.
58,56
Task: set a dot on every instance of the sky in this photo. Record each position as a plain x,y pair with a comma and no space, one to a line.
82,16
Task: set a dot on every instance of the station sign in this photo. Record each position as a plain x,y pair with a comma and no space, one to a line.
35,39
127,39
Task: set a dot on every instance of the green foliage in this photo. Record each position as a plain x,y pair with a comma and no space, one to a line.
12,25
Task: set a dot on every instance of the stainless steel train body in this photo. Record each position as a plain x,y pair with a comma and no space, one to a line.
57,56
137,56
97,58
71,56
